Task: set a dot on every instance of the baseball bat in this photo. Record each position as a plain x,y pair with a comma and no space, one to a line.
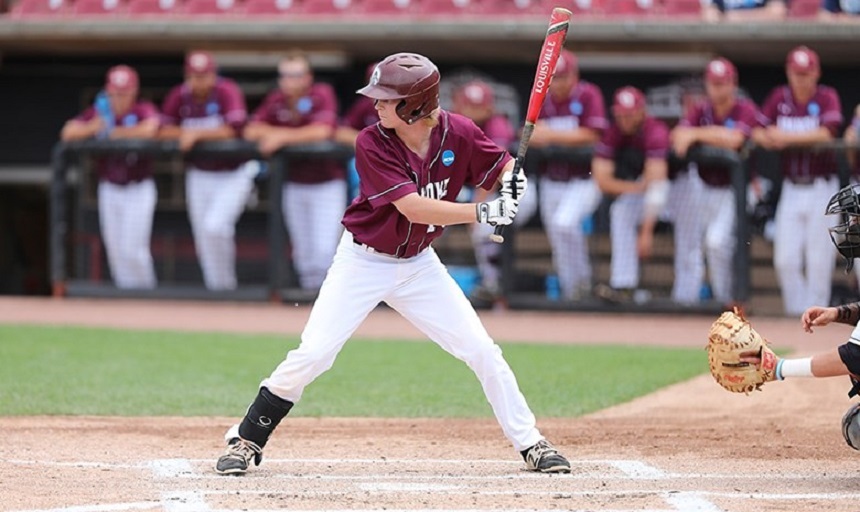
553,43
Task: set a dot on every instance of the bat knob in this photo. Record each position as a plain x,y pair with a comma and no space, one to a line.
497,238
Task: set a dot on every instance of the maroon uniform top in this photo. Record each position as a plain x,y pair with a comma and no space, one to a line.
124,169
652,139
460,154
741,117
584,108
361,114
317,106
824,109
224,105
499,130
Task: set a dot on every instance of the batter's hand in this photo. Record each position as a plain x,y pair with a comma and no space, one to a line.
510,182
498,212
817,316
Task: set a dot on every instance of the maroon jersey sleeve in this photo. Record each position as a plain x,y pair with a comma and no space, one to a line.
147,110
767,115
360,113
325,106
608,144
265,113
383,178
233,103
593,109
487,161
170,107
747,117
831,110
693,117
87,115
656,143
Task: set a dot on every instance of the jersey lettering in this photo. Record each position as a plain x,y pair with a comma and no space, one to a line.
208,122
436,190
563,122
798,124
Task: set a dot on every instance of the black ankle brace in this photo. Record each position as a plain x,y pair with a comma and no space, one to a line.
264,414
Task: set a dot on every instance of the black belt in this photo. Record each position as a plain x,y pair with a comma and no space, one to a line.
372,250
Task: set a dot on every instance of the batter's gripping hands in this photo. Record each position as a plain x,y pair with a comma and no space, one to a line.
514,186
498,212
732,338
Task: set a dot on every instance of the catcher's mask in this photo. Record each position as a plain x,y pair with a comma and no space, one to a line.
846,234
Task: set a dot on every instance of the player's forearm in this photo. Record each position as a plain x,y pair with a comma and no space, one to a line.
346,135
144,130
721,137
828,364
170,131
848,313
221,133
818,136
316,132
434,212
577,137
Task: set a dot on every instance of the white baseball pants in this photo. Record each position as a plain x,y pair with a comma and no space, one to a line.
718,209
125,216
415,287
215,202
685,211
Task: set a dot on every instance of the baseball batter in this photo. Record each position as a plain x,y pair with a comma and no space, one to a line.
300,111
412,165
794,117
209,107
641,190
724,120
573,115
126,190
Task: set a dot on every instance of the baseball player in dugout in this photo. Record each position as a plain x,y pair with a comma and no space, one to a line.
476,100
844,207
573,115
793,118
299,112
640,184
360,115
208,107
126,191
723,120
412,165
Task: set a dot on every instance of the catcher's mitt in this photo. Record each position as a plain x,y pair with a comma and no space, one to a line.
732,335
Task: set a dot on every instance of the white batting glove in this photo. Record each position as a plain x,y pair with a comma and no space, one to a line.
498,212
510,183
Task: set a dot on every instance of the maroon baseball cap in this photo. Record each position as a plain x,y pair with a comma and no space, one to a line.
802,60
721,71
567,64
477,93
200,63
121,79
628,100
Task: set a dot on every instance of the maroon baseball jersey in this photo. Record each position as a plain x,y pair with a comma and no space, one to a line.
824,109
499,130
319,105
361,114
460,154
741,117
584,108
130,167
224,105
652,139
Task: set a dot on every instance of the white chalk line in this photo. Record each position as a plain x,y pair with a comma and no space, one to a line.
113,507
178,501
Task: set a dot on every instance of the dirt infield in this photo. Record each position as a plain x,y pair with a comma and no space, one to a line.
689,447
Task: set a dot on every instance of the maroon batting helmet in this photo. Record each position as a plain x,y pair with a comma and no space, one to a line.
409,77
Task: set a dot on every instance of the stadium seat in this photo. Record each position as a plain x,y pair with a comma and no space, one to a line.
98,7
803,8
29,8
448,7
262,7
631,8
152,7
684,8
385,7
326,6
208,7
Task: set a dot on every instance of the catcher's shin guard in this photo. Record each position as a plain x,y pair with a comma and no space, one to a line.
263,416
851,428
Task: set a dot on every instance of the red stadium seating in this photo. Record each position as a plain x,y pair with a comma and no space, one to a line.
326,6
98,7
684,8
208,7
153,7
448,7
262,7
31,8
385,7
631,8
803,8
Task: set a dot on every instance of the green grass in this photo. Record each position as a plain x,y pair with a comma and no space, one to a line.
69,370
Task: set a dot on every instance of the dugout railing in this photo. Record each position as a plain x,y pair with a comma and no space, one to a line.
526,258
71,267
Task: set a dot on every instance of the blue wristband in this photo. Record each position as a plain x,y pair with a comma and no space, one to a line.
778,371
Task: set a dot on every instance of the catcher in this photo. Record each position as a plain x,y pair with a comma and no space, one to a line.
741,360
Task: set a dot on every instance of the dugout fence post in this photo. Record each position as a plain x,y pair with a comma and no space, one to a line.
58,225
